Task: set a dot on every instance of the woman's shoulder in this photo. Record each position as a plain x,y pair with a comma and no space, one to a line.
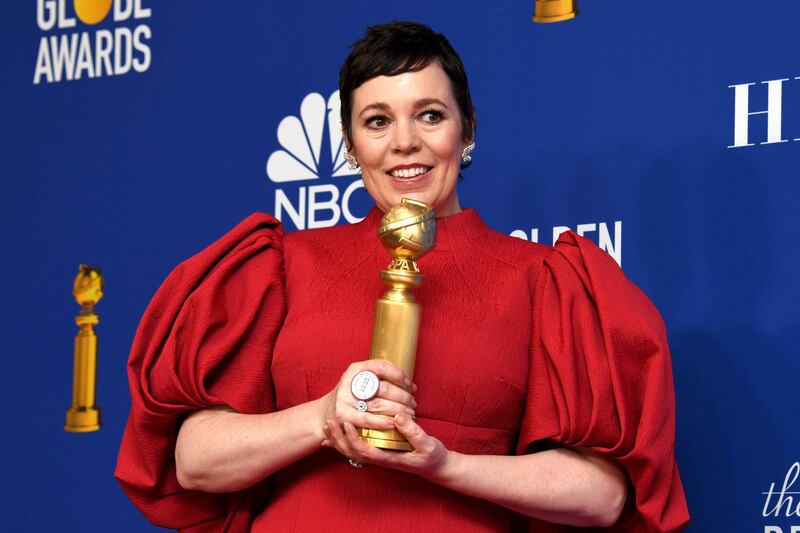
324,237
516,249
504,248
320,249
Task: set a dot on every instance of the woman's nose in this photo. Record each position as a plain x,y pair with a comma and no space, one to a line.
406,137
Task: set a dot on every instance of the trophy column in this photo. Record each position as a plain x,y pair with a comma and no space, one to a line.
407,231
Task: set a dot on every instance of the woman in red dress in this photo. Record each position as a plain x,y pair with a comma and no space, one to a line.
543,390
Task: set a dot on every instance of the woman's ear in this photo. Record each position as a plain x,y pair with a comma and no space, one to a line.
470,138
348,146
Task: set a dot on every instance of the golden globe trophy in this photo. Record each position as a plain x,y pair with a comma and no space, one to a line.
407,231
83,415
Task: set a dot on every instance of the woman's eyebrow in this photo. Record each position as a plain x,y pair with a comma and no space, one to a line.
382,106
428,101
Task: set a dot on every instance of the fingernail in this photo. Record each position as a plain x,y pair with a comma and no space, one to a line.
414,387
399,418
407,382
414,403
325,429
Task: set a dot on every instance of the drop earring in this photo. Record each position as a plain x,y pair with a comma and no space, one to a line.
466,154
352,162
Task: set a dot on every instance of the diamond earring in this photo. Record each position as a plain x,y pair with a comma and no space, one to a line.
466,156
352,162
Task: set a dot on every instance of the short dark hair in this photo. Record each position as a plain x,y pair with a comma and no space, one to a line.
398,47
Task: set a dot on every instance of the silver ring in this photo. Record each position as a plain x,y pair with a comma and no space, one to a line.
365,385
354,463
362,406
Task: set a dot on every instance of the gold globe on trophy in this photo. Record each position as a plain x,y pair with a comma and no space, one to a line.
83,415
407,231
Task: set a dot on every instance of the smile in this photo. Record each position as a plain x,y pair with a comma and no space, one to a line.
408,172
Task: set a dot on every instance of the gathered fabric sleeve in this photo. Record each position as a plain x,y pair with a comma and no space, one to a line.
601,380
205,340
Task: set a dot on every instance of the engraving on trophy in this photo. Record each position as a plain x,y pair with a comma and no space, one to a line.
403,264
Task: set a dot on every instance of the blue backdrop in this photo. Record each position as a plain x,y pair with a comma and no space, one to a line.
133,143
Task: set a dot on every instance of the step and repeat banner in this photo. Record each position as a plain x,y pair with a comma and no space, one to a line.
136,132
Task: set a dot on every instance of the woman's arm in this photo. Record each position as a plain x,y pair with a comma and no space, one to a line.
219,450
560,485
223,451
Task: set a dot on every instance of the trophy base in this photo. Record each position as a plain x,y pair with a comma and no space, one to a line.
82,419
388,440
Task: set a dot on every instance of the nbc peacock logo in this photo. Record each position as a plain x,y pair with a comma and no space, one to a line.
119,47
312,149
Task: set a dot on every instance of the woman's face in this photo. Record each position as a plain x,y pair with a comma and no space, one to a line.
407,138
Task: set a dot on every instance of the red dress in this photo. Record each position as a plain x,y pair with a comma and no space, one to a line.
521,347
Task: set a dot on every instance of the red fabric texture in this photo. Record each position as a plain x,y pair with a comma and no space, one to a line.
205,340
601,379
521,346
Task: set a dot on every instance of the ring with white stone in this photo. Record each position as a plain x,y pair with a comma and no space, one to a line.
354,463
362,406
365,385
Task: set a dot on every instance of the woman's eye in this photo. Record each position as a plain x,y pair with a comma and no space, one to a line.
432,116
377,122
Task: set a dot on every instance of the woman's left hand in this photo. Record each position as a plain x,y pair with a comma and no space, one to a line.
428,459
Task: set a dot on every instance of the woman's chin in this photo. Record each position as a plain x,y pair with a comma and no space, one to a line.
419,196
387,203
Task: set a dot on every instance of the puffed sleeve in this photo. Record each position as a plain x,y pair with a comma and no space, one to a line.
601,379
205,340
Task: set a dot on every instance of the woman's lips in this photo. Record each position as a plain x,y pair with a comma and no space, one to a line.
412,180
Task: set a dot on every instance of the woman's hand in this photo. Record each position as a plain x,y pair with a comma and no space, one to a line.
339,405
428,459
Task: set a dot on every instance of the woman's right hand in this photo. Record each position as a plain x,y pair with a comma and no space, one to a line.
393,397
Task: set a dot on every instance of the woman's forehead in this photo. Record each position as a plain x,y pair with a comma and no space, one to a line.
408,89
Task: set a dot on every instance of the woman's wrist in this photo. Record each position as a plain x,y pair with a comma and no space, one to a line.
447,472
319,414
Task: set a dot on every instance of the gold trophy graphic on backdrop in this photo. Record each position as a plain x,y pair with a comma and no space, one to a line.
83,415
407,231
554,10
